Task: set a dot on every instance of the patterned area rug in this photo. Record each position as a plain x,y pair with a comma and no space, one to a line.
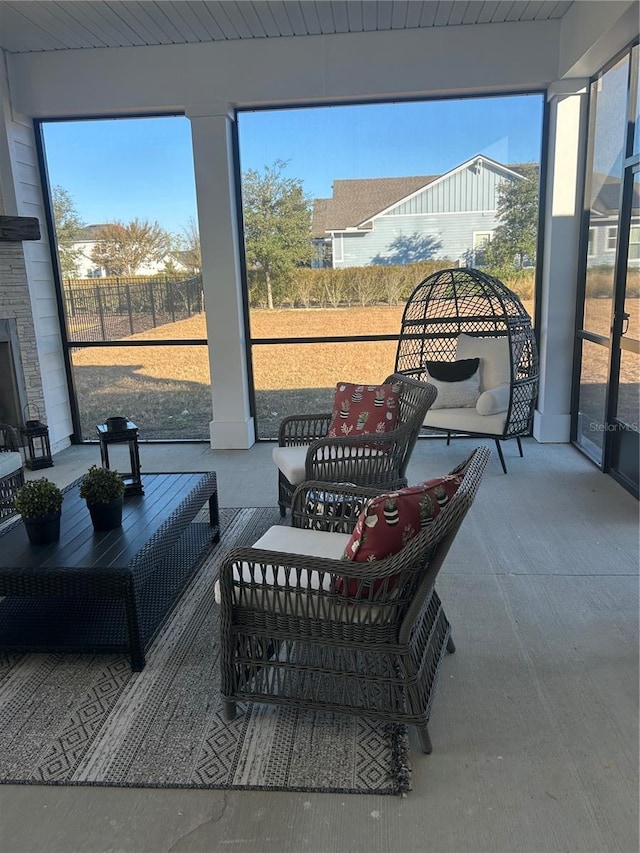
88,720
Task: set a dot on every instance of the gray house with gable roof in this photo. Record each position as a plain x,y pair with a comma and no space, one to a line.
399,220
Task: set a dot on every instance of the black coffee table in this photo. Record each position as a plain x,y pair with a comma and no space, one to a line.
109,591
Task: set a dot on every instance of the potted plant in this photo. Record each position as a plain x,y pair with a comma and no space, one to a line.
103,490
39,502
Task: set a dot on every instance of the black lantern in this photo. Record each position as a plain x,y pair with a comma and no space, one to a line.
35,440
120,430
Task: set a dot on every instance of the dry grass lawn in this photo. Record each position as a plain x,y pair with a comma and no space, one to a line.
166,389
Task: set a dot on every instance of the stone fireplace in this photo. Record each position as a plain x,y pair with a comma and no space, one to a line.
20,379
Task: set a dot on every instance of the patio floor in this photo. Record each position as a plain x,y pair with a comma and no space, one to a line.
535,718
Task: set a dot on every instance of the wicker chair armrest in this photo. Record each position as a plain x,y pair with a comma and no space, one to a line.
332,507
368,459
303,429
9,439
303,586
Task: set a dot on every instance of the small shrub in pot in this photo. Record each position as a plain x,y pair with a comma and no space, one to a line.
101,485
38,498
39,502
103,490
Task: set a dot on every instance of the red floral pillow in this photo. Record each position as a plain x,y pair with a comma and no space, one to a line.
364,409
389,521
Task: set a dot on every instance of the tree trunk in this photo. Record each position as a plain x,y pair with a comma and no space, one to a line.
269,291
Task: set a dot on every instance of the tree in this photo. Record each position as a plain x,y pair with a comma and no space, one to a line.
68,225
515,239
277,224
123,248
190,247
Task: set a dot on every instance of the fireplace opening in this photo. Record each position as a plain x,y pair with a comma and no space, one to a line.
13,392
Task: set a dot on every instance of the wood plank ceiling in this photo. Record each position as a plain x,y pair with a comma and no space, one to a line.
41,25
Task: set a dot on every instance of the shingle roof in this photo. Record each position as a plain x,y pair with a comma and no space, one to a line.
89,232
356,200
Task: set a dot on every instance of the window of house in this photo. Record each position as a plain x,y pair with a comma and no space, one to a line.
591,250
481,240
612,238
634,243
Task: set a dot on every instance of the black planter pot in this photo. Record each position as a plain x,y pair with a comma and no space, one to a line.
106,516
43,531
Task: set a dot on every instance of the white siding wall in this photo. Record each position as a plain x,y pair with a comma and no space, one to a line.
24,198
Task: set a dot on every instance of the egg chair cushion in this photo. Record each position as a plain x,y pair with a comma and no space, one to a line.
458,382
465,421
494,401
495,368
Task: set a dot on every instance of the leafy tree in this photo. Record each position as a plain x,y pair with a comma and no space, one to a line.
123,248
68,224
277,224
515,239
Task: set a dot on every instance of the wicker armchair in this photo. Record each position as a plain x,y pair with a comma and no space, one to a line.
305,452
289,638
11,469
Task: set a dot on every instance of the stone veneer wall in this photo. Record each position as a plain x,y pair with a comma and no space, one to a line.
16,304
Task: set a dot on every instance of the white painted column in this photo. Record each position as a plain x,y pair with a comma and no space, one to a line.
563,214
232,426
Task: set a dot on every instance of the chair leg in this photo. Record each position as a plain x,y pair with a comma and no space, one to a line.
499,449
519,445
228,710
451,646
448,439
425,740
283,510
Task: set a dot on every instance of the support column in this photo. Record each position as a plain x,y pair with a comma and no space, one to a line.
232,426
563,216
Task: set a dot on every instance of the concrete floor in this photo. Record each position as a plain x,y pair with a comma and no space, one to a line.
535,719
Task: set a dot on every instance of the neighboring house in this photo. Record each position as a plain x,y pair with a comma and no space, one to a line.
603,228
89,269
399,220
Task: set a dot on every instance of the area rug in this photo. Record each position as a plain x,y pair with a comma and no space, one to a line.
85,719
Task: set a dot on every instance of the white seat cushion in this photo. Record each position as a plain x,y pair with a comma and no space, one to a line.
294,540
9,463
465,420
494,359
291,460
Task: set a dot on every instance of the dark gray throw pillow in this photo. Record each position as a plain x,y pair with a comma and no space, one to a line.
452,371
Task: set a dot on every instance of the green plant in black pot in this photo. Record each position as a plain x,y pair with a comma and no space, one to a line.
39,502
103,490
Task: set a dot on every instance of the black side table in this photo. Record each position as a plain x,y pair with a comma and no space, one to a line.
129,435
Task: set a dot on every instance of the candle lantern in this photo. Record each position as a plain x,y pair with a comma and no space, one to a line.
119,431
35,441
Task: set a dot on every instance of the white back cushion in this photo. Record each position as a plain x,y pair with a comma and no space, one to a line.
494,359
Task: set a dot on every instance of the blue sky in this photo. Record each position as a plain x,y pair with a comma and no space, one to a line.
127,168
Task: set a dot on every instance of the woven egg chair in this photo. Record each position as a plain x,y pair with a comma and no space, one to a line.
460,314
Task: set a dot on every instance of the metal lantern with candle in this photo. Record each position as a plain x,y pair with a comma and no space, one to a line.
35,440
118,431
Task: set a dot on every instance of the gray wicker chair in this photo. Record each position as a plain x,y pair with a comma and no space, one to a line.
454,302
11,468
305,452
288,638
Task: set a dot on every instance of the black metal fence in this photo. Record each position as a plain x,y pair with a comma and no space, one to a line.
112,309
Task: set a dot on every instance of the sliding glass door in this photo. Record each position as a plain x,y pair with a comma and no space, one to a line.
606,424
